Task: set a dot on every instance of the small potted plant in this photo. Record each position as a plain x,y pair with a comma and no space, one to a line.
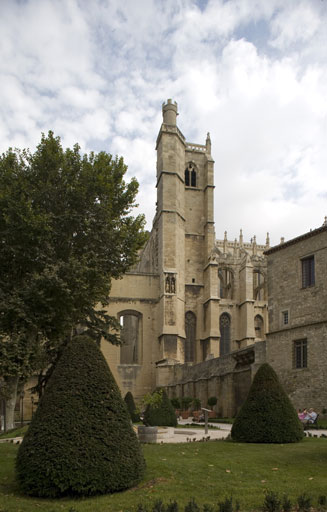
212,400
196,408
176,403
186,402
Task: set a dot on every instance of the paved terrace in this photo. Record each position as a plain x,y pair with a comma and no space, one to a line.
193,434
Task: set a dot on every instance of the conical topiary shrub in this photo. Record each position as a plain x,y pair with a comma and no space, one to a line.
267,416
159,410
80,441
131,407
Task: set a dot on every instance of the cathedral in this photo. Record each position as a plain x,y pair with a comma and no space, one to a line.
192,300
198,315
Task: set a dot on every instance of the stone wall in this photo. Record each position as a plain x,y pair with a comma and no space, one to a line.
228,378
306,308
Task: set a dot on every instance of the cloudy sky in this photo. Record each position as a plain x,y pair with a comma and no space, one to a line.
251,72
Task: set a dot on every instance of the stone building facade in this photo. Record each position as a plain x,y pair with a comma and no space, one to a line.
195,311
192,298
297,339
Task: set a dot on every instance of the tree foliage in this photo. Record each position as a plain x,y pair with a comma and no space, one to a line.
267,415
80,441
159,410
65,232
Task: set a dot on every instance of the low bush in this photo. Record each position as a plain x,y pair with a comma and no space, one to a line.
159,410
272,502
304,503
175,402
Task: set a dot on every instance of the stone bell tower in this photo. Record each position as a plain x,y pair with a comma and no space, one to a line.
185,227
170,225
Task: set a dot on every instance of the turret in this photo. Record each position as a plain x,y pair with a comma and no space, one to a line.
169,112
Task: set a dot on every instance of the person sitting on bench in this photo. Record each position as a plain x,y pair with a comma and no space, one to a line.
303,415
312,416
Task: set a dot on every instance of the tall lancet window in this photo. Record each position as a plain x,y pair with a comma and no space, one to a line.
224,324
259,285
190,176
190,332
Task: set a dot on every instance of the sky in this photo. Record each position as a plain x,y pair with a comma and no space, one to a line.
253,73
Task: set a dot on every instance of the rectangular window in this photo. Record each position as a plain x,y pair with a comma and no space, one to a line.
308,272
285,317
300,354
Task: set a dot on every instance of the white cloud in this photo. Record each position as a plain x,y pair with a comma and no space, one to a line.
250,72
297,22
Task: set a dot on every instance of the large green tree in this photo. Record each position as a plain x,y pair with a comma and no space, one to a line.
66,230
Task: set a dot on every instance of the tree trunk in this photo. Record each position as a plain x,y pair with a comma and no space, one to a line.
11,387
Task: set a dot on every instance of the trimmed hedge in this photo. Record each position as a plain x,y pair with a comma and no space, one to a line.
160,414
80,441
267,416
131,407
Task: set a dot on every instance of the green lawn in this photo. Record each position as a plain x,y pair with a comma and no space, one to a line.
17,432
207,471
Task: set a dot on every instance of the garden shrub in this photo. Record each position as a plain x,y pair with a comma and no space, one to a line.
186,402
80,441
286,504
196,404
304,503
131,407
160,412
192,506
272,502
175,402
212,400
267,416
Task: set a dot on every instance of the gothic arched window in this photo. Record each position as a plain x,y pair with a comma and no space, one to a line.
193,178
226,279
130,335
190,176
258,285
187,177
258,326
190,333
224,325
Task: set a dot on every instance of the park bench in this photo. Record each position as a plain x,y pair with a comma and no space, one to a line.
311,424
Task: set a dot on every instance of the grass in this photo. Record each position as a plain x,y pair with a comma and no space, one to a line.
16,432
322,423
206,471
221,420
